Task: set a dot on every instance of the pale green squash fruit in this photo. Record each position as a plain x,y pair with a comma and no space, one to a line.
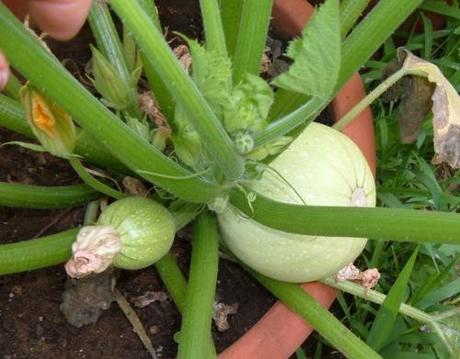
327,169
146,229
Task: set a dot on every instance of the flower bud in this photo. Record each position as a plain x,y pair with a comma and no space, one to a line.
108,82
52,126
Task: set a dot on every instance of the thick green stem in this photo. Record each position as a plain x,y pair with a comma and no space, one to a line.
43,197
213,28
371,97
36,253
350,11
199,300
33,61
378,298
110,45
300,117
404,225
92,182
370,34
324,322
12,87
218,146
231,16
252,36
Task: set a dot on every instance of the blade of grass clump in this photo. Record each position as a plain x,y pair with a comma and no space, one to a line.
42,197
435,280
198,306
319,317
383,325
231,16
428,34
213,27
377,223
47,74
219,148
441,7
252,36
108,42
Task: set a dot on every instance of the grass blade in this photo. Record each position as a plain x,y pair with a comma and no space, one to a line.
383,325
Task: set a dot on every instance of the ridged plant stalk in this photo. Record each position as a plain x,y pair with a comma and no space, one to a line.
44,197
108,42
324,322
231,16
350,11
12,87
219,148
32,60
252,36
199,300
403,225
36,253
213,27
163,97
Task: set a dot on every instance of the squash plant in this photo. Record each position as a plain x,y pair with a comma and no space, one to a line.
227,128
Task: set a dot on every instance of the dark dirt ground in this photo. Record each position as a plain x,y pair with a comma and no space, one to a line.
31,325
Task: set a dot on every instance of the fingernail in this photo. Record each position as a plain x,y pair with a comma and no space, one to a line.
4,75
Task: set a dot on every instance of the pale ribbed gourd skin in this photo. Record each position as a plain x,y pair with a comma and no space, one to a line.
327,169
146,229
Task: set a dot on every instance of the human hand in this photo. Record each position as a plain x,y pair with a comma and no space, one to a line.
61,19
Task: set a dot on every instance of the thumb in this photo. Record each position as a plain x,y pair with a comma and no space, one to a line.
4,71
61,19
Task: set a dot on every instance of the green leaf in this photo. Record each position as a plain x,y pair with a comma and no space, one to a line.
212,73
383,325
316,55
248,105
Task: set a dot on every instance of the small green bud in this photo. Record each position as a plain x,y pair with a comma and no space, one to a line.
108,82
52,126
160,137
243,141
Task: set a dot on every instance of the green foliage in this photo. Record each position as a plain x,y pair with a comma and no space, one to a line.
316,55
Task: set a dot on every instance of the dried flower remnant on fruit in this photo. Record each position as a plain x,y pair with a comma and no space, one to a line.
93,251
369,278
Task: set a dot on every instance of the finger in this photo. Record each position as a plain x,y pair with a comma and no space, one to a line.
4,71
61,19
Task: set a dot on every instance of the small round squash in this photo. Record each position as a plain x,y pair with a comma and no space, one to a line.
326,169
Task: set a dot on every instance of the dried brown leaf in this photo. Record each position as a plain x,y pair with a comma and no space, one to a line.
446,108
